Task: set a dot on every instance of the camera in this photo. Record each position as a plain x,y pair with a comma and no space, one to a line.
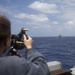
17,42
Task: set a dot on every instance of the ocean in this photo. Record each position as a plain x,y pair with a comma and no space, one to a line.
56,49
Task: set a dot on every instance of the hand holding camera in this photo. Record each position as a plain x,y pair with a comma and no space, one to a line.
27,42
19,42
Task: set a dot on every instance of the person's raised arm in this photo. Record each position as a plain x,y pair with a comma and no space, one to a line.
36,60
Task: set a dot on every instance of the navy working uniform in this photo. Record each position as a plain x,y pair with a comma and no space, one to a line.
35,64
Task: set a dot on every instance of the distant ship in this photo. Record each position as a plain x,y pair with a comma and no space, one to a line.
60,36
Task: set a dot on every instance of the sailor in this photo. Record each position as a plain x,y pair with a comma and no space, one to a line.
35,64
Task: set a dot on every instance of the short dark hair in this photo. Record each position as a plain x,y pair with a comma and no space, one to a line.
5,26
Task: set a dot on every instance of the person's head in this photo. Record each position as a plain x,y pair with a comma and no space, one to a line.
5,33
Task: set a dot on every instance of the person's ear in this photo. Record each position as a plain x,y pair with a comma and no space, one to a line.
6,41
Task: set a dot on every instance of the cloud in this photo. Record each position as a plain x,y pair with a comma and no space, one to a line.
70,22
37,18
5,10
55,22
69,3
67,14
70,25
44,7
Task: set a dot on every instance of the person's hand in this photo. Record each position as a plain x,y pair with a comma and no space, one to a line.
27,42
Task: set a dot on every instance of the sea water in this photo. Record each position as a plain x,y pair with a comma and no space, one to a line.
57,49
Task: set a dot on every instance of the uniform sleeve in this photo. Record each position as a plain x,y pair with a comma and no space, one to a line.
36,63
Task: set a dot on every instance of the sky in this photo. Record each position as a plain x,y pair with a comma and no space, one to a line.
43,18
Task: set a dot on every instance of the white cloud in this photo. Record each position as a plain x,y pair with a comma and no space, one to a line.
68,17
44,7
69,3
55,22
70,25
68,12
64,2
70,22
5,10
37,18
